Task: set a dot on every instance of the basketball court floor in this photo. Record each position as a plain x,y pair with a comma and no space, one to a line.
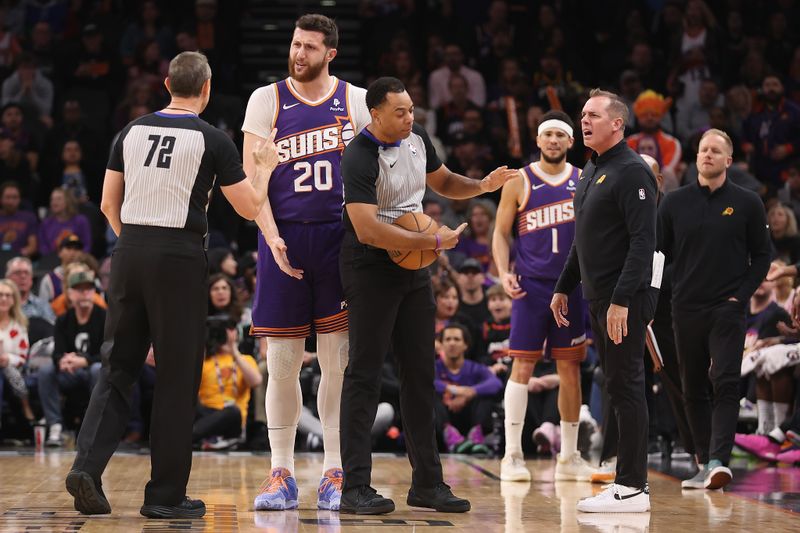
32,498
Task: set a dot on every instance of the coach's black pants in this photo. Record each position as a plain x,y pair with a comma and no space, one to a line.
388,307
158,291
623,366
710,344
670,378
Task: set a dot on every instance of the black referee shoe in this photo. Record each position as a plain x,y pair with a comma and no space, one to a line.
89,497
440,498
364,500
186,509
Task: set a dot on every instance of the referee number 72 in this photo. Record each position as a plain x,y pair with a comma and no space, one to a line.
167,144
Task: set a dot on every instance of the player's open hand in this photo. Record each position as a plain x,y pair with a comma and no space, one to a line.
265,154
559,307
448,238
497,178
511,286
278,248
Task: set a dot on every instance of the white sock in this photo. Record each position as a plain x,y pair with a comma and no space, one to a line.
569,439
332,356
779,410
515,402
283,399
766,417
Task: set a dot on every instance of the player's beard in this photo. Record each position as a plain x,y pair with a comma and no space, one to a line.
554,160
311,73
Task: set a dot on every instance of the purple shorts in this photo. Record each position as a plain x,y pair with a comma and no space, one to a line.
532,324
284,306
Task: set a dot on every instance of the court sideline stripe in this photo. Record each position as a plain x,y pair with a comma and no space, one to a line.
479,468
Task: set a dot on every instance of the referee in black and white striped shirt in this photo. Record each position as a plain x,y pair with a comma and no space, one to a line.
155,193
385,169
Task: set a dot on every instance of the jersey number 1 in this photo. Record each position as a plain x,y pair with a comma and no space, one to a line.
555,240
167,144
322,172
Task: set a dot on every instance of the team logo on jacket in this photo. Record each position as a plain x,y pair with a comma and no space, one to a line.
601,179
642,195
728,211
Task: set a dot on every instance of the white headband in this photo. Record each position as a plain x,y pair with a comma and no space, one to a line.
555,123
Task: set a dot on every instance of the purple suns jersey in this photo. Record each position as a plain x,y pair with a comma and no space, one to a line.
306,186
545,223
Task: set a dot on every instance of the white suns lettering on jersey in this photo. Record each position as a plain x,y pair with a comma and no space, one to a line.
550,215
316,141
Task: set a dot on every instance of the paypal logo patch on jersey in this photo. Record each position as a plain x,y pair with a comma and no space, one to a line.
336,105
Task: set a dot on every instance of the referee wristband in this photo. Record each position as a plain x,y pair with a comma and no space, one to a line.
438,242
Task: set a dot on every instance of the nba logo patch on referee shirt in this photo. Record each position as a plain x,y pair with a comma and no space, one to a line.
642,196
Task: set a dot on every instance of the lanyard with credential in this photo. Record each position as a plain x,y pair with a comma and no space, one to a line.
221,385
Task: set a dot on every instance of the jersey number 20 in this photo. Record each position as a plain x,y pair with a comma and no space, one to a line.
322,171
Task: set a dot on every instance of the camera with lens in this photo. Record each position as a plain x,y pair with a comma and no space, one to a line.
217,327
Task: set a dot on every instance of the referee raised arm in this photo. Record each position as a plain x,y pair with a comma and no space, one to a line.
155,194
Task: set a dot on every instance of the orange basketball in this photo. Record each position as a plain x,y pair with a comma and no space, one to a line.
415,259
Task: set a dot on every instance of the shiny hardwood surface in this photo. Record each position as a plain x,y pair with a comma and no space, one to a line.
32,498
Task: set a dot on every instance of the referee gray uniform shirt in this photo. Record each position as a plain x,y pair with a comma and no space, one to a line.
158,293
389,308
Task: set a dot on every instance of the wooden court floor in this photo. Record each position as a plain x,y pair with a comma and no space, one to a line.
32,498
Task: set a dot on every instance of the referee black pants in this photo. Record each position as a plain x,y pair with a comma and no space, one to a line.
710,345
158,291
388,308
623,366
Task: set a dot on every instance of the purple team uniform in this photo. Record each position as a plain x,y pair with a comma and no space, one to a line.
305,192
546,226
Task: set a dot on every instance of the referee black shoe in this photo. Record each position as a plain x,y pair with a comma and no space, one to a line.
186,509
440,498
89,497
364,500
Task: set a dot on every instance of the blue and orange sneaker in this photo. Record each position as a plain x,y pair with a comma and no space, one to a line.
329,495
278,492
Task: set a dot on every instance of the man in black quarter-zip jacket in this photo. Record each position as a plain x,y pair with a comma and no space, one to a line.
715,234
612,255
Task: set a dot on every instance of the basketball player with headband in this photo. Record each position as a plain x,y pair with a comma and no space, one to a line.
539,201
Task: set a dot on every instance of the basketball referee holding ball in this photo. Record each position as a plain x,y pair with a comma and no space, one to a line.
385,170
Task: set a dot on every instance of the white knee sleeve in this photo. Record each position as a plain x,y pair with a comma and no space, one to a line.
284,358
332,354
283,399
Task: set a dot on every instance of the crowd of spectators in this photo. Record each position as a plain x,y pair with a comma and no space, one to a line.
481,75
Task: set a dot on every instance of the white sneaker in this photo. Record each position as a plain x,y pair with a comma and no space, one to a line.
573,468
512,468
617,499
54,438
